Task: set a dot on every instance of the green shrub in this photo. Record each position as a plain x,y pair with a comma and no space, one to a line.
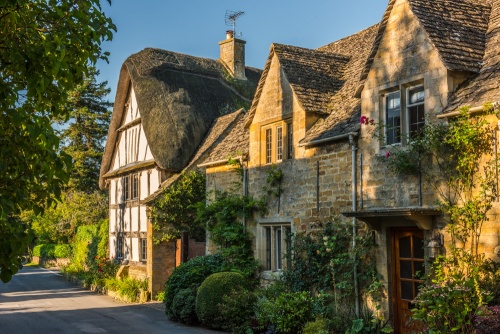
184,306
319,326
160,296
128,288
211,293
62,251
44,250
237,311
287,313
194,271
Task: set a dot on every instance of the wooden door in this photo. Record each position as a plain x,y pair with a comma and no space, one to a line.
408,269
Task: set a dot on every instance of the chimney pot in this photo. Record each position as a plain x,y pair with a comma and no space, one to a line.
229,34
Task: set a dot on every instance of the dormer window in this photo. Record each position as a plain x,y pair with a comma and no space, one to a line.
403,114
277,144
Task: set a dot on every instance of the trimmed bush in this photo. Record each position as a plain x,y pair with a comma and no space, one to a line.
211,293
237,311
62,251
184,306
192,272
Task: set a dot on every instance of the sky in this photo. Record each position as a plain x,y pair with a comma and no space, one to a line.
195,27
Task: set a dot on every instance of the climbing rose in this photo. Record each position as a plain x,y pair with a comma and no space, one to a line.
363,120
387,154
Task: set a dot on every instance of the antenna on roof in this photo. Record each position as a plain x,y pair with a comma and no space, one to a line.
231,18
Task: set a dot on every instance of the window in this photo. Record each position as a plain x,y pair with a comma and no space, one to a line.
392,118
119,248
403,114
276,245
269,143
277,142
144,249
416,117
131,187
289,136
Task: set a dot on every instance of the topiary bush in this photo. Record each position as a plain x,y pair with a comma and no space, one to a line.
62,251
184,306
44,250
192,272
237,311
211,293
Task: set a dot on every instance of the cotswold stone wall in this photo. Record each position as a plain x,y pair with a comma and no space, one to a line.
160,262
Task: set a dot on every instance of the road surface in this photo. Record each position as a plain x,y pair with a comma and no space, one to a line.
40,301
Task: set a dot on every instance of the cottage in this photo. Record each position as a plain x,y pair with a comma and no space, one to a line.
423,61
169,109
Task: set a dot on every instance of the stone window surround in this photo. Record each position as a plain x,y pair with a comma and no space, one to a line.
403,89
286,151
263,225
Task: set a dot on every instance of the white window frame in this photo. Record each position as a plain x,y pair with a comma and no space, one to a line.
279,143
385,111
143,244
274,245
269,145
410,105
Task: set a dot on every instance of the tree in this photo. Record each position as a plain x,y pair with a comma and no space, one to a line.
46,47
84,134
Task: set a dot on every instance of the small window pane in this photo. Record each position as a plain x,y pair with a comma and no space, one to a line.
418,247
405,247
416,95
278,247
279,143
393,119
269,144
407,290
268,247
405,269
419,269
289,134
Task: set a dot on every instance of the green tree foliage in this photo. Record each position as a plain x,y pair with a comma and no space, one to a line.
45,49
83,136
58,223
174,210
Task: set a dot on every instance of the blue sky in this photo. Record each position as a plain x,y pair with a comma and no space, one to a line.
196,26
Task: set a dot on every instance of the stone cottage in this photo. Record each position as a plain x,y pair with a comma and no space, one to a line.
169,109
420,63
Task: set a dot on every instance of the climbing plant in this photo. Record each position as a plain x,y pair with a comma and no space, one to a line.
174,210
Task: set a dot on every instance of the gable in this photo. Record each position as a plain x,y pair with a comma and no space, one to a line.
456,28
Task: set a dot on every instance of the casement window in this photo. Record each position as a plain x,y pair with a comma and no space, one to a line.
277,142
144,249
416,117
131,186
275,245
403,114
119,248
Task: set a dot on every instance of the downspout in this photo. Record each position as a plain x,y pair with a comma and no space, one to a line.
245,187
354,221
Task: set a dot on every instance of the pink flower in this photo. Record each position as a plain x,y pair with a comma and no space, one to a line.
387,154
363,120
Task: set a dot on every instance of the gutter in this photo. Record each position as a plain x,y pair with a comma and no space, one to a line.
326,140
219,162
475,110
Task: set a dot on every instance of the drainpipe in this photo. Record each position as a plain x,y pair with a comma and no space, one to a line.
245,189
354,230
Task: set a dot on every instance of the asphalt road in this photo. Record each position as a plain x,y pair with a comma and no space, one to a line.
40,301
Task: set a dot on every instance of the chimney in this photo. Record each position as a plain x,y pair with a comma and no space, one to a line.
232,55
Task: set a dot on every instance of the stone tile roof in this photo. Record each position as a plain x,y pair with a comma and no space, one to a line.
178,96
455,27
217,134
485,86
234,145
314,75
344,108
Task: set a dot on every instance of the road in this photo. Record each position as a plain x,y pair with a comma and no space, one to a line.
40,301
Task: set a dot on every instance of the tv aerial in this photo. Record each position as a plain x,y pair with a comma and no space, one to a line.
231,18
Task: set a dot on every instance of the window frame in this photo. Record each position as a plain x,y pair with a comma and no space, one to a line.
120,243
275,245
276,148
404,110
143,244
131,185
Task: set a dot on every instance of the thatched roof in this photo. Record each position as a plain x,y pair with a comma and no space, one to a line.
179,96
218,132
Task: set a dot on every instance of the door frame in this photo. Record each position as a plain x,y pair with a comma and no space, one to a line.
397,317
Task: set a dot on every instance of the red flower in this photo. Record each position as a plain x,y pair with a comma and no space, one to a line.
387,154
363,120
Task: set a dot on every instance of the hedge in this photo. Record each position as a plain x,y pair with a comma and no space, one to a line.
52,251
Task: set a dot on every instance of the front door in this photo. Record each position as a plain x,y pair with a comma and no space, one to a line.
408,269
